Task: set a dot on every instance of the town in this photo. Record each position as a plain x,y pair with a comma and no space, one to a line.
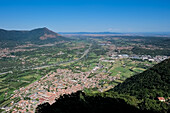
52,85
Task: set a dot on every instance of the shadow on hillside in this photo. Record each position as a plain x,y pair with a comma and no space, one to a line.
80,103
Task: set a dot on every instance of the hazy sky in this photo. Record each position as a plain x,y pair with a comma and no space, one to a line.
86,15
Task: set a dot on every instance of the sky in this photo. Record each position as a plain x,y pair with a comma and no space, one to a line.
86,15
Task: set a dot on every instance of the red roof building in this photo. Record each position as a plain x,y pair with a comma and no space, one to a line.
162,99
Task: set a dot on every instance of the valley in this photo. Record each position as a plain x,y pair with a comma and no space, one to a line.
84,56
35,72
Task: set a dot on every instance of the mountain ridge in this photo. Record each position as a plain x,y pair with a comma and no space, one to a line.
30,35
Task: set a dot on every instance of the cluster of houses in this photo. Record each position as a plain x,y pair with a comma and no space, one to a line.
6,52
162,99
105,43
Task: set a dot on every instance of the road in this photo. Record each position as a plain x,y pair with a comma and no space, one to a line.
6,72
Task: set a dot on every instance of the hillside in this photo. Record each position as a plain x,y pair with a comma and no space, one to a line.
106,102
39,34
80,102
153,83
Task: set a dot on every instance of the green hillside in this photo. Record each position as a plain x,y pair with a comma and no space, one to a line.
106,102
153,83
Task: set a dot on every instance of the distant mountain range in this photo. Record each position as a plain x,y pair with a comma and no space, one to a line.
162,34
39,34
89,33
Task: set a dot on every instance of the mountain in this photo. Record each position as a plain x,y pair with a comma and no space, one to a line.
137,94
39,34
153,83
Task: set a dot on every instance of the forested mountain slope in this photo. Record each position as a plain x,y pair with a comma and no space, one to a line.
153,83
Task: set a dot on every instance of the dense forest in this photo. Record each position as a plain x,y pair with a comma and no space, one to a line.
137,94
